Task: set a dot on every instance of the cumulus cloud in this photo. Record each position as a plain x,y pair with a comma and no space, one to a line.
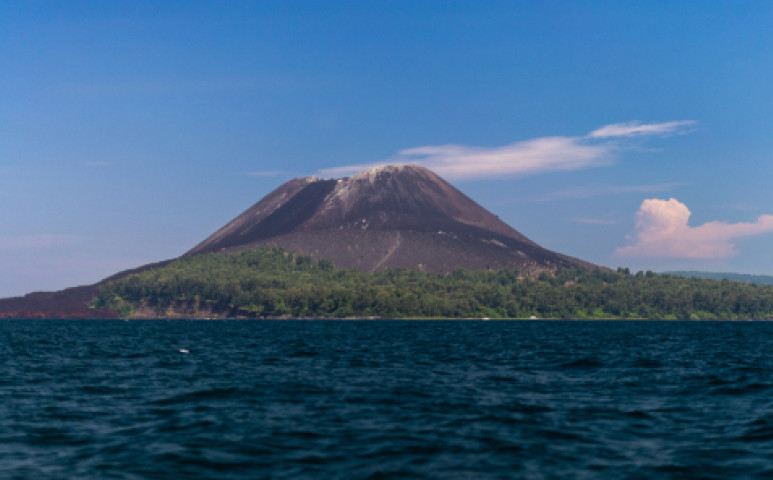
527,157
662,230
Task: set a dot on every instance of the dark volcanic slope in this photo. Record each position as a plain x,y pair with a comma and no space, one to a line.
393,216
280,212
68,303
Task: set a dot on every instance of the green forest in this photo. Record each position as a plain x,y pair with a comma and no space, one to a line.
274,283
734,277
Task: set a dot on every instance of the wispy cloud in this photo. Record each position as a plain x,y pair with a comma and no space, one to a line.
527,157
603,190
662,231
44,240
632,129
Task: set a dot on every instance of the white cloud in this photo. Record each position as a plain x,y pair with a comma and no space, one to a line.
520,158
631,129
662,230
528,157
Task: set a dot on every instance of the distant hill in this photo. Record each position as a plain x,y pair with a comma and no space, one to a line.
733,277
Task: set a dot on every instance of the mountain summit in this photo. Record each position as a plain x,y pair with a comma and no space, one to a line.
390,216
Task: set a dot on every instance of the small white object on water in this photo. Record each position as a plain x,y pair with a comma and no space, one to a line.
184,350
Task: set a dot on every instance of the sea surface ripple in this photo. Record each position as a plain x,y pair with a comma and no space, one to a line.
385,399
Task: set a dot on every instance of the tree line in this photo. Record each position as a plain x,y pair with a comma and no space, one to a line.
275,283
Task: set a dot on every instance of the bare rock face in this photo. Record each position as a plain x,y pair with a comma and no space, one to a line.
391,216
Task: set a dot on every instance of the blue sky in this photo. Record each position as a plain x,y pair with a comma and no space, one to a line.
623,133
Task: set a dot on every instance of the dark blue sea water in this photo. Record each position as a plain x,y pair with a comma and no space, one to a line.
385,399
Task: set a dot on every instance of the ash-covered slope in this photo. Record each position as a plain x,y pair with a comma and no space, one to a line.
392,216
71,302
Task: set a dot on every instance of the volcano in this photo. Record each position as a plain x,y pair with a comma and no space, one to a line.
385,217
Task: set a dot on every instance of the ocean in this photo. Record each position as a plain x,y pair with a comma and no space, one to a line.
191,399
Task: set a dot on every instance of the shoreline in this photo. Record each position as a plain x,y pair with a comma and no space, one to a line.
401,319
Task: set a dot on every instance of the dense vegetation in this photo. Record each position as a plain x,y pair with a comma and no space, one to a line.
733,277
272,282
